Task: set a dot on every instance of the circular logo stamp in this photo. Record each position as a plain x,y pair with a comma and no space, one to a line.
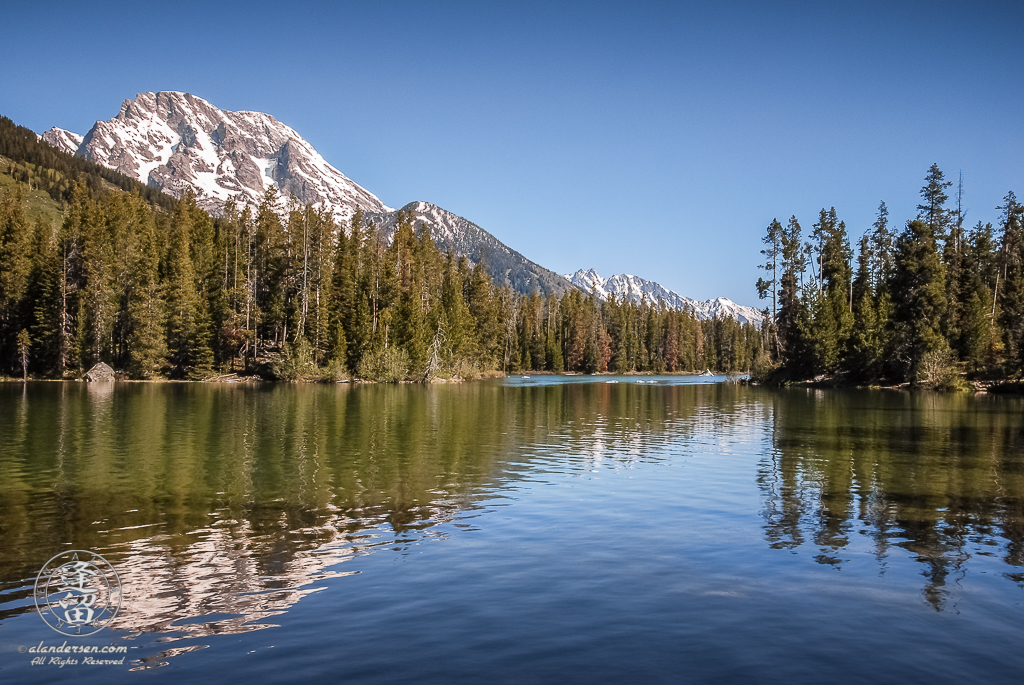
78,593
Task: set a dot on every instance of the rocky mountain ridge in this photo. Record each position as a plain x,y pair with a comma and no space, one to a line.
173,141
461,236
639,290
65,141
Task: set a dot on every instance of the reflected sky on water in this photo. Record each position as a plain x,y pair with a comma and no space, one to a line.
658,528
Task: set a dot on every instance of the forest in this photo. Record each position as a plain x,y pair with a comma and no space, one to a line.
159,288
932,304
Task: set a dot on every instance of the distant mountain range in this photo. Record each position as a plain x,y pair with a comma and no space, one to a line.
634,289
173,141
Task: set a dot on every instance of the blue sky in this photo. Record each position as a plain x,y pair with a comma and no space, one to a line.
658,139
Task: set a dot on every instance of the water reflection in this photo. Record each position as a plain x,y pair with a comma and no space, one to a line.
939,476
223,506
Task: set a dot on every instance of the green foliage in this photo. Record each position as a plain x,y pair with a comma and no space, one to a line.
157,287
919,280
762,368
298,363
922,305
38,165
385,366
15,271
938,370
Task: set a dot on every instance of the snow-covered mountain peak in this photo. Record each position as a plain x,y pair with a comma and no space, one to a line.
173,140
65,141
634,289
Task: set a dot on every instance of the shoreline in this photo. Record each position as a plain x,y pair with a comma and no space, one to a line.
234,378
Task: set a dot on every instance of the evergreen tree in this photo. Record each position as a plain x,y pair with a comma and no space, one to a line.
1011,295
881,248
865,350
919,295
147,349
792,310
959,280
932,210
554,359
831,307
98,299
15,271
188,331
59,319
484,308
269,272
772,253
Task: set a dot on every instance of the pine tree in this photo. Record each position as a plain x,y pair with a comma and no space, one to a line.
932,210
982,339
188,330
270,268
15,271
792,308
98,300
45,291
881,248
772,254
864,350
955,259
832,317
24,343
1011,295
919,295
68,282
147,348
553,358
484,308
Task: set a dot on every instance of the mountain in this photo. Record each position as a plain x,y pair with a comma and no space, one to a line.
65,141
461,236
174,141
628,287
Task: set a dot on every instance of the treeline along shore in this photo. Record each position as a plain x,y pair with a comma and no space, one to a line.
933,304
156,287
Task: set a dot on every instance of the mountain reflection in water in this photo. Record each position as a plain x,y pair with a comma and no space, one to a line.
228,500
223,506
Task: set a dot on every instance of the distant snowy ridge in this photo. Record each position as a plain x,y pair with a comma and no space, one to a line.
173,141
65,141
634,289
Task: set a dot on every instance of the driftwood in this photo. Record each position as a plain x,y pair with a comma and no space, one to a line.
100,372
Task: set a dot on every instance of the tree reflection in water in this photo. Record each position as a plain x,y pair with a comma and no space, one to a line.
941,476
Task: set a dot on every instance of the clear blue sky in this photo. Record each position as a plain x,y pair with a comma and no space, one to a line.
658,139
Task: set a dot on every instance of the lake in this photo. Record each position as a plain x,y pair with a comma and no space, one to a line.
544,529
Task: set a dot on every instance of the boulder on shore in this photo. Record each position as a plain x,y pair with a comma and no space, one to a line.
100,372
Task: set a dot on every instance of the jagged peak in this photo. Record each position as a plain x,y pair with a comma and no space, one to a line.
62,139
174,140
630,287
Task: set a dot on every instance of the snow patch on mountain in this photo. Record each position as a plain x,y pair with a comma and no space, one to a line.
65,141
639,290
173,141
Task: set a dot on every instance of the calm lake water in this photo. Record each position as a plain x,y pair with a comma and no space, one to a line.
521,530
